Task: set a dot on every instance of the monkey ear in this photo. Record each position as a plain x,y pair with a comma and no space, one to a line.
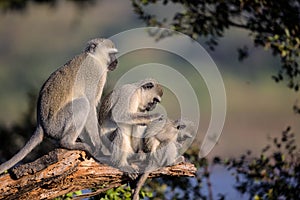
147,86
180,127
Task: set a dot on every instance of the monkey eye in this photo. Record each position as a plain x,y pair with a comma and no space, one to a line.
180,127
91,47
148,85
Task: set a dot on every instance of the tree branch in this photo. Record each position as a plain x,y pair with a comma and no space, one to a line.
63,171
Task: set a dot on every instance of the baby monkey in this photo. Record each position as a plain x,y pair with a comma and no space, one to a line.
163,142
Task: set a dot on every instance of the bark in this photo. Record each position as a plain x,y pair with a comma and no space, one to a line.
63,171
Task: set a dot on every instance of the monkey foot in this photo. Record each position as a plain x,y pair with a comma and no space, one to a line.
131,171
131,175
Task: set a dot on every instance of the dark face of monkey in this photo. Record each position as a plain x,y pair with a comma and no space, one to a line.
151,105
114,62
152,93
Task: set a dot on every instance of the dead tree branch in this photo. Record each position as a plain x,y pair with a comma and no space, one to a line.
62,171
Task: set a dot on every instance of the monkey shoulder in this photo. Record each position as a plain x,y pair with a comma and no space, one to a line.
56,91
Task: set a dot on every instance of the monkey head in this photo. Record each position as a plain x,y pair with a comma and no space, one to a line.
167,130
104,51
150,92
185,130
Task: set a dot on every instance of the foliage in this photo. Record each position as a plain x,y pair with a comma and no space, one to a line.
6,5
69,195
273,25
184,187
275,174
120,193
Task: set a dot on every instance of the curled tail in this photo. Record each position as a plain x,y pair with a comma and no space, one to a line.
35,139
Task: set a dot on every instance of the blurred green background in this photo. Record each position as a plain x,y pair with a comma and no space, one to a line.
40,38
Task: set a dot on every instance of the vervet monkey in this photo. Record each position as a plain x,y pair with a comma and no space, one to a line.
164,139
67,101
121,113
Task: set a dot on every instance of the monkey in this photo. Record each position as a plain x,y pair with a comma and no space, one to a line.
164,139
66,108
122,112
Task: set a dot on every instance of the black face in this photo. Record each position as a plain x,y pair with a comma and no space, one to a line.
152,105
113,65
180,127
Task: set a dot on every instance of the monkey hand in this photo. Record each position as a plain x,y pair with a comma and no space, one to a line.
132,176
178,160
161,118
131,171
157,116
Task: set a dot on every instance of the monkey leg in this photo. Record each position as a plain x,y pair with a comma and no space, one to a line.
121,151
106,140
91,135
162,157
168,154
74,116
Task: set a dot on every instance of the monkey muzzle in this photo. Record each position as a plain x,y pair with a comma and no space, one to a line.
114,62
151,105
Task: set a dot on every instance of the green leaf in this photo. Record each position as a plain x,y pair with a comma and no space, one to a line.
287,32
284,53
79,192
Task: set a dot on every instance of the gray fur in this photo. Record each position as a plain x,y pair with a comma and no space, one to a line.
121,112
164,140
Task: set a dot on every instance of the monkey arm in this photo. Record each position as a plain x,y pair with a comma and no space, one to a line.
136,118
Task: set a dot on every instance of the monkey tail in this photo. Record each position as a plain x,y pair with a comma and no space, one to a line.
139,184
35,139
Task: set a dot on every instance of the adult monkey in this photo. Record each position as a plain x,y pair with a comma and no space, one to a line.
67,102
121,114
